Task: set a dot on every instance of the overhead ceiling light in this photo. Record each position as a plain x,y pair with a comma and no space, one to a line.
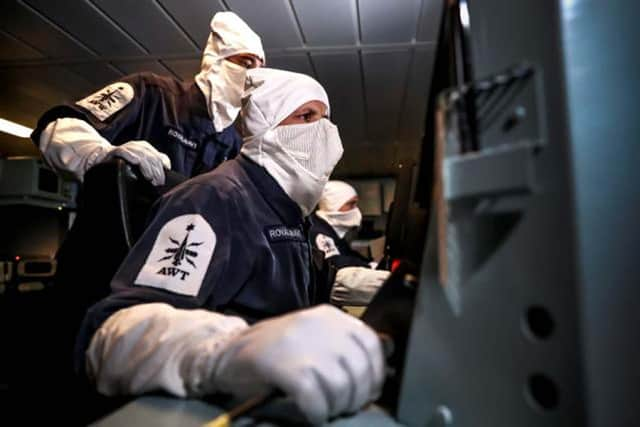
15,128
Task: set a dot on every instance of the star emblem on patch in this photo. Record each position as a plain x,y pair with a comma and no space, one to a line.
182,250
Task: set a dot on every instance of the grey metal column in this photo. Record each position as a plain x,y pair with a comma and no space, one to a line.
602,57
543,327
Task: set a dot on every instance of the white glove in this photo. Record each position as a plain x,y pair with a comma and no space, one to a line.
150,161
74,146
357,285
325,360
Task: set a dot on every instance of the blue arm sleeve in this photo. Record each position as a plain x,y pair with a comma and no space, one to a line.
112,127
179,259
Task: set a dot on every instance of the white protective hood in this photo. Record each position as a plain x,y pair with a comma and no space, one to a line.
334,195
221,81
273,95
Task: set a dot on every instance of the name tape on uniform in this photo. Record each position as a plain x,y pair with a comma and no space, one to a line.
172,133
282,233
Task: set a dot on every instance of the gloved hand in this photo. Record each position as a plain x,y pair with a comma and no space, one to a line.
144,155
74,146
325,360
357,285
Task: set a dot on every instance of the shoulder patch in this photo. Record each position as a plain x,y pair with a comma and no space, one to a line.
327,245
109,100
180,256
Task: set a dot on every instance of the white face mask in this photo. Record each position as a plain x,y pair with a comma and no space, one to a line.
342,221
299,157
223,87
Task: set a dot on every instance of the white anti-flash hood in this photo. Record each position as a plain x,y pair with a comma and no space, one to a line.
222,82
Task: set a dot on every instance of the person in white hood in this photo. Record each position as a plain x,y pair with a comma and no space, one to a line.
229,248
159,122
355,283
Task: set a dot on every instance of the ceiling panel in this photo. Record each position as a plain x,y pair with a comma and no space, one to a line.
131,67
384,21
13,49
186,69
87,23
99,74
149,24
413,111
194,16
340,76
430,17
22,22
297,63
385,76
22,108
322,26
367,160
377,93
49,85
272,19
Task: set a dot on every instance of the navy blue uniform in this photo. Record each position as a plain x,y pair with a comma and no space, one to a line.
169,114
337,251
230,240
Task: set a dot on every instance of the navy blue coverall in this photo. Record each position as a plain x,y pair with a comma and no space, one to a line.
230,241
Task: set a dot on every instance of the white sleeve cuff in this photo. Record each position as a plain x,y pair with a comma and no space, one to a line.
357,285
155,346
72,145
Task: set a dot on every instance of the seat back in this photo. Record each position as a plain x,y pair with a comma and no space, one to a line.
112,213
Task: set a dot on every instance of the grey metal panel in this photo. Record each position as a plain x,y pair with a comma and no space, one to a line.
384,21
340,76
505,170
149,24
163,411
328,22
194,16
479,363
430,16
298,63
186,69
412,117
100,74
88,24
273,20
519,23
20,21
13,49
131,67
601,56
385,78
